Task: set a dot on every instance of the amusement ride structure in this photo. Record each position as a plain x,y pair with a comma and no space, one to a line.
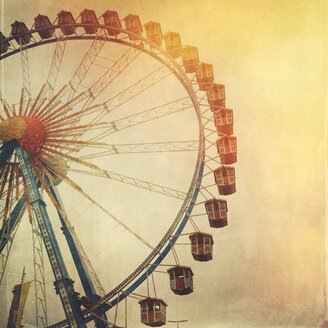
62,134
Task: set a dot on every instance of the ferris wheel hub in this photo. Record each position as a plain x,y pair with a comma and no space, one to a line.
29,132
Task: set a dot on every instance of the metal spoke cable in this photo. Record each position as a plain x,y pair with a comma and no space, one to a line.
25,71
155,147
145,116
133,120
86,63
137,88
110,75
134,182
129,93
112,216
56,64
79,246
116,69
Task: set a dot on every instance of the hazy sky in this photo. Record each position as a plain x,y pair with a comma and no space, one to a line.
269,263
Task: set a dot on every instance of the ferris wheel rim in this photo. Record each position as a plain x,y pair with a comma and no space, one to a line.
188,203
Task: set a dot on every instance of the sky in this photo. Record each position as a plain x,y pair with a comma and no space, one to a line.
269,263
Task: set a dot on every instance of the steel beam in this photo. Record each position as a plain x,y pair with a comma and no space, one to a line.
63,283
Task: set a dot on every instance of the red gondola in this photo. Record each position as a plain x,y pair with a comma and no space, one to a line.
66,18
201,246
88,16
216,210
216,96
112,21
204,76
17,28
227,149
225,179
153,312
133,24
181,281
4,45
42,21
154,32
190,58
223,120
173,44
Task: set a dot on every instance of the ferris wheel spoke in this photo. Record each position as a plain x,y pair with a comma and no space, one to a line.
137,88
86,63
154,147
132,91
107,128
45,115
25,71
38,102
115,218
56,64
134,182
145,116
112,216
111,74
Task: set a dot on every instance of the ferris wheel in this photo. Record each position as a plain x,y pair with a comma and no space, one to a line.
113,120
